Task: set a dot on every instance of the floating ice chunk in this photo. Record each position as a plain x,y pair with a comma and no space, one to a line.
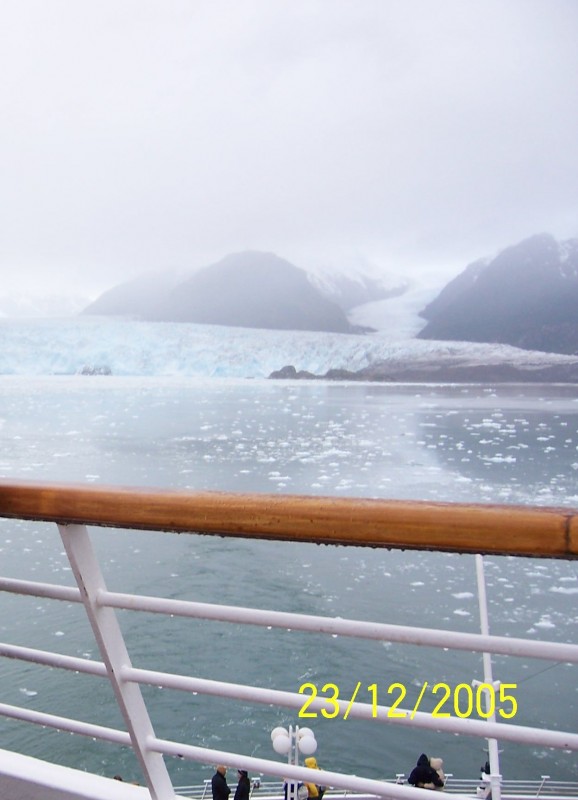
463,595
29,692
544,622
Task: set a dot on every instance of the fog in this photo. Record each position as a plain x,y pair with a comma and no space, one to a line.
407,136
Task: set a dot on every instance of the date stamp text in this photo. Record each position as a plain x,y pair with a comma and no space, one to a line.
464,700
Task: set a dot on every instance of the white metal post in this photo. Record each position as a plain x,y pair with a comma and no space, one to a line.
116,658
493,753
292,755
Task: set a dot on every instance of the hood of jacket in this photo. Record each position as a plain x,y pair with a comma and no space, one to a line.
311,762
423,761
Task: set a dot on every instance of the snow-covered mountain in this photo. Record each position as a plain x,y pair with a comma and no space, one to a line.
255,289
526,296
121,347
357,285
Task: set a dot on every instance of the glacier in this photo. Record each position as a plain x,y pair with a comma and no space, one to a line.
66,346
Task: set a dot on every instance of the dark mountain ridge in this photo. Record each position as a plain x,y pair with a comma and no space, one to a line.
250,289
136,298
527,296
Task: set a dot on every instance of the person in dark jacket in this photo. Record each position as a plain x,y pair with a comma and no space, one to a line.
423,773
243,789
219,785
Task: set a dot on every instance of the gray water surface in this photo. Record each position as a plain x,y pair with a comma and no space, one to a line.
510,444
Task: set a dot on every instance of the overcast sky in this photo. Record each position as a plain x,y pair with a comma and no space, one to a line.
417,135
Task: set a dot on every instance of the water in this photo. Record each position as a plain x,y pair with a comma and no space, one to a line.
462,443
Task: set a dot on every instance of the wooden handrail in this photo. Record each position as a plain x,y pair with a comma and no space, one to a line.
452,527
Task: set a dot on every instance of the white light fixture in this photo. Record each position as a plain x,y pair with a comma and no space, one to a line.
307,745
293,741
282,744
290,743
281,738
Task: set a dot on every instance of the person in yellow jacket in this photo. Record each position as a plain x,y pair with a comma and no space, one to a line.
314,790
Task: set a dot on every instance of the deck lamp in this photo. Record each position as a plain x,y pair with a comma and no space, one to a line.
281,741
291,742
306,741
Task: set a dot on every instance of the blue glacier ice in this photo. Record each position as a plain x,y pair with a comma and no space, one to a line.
66,346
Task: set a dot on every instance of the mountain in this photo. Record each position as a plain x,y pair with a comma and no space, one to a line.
356,288
252,290
248,290
527,296
136,298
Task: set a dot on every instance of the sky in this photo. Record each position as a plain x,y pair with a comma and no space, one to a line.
411,136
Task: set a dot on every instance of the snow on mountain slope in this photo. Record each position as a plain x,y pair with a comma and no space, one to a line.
27,304
396,318
357,286
66,346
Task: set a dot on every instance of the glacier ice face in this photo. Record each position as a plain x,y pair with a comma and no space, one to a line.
96,344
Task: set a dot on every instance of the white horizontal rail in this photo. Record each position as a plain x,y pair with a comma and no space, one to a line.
51,659
255,694
546,788
65,724
271,787
52,591
402,634
360,629
470,727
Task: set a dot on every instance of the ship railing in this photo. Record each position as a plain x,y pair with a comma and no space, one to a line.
505,530
274,790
